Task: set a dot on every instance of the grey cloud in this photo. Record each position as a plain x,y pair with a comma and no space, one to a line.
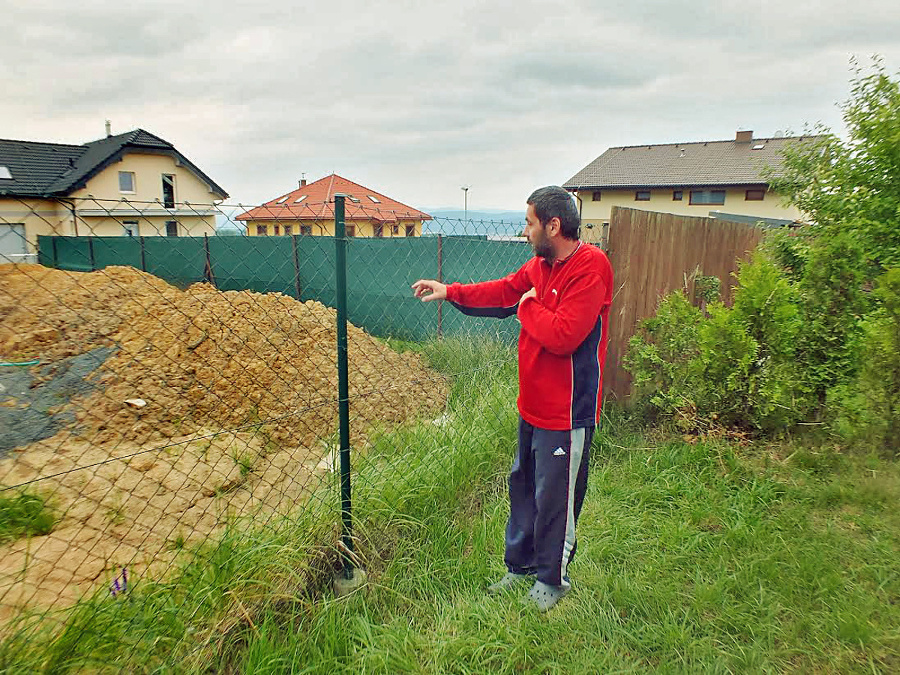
418,98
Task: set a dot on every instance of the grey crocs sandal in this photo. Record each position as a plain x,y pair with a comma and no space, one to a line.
544,596
510,580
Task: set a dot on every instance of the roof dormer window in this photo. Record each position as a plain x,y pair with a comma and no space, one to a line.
299,199
5,173
374,199
283,199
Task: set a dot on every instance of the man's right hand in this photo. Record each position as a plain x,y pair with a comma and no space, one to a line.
429,289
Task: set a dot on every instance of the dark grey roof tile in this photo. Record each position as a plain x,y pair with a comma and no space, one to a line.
686,164
55,170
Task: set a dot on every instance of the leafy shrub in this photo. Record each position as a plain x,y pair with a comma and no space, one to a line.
789,250
833,304
734,367
805,336
867,408
660,356
854,185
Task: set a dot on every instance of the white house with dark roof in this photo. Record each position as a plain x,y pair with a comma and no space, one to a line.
725,179
131,184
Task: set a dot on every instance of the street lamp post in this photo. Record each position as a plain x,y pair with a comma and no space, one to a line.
465,189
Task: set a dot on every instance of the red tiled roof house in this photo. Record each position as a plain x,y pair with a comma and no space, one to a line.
310,210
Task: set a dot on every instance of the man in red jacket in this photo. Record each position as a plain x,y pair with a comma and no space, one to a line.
561,297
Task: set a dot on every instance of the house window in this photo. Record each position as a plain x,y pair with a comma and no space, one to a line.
754,195
350,230
288,230
262,230
410,230
306,229
395,230
595,196
378,230
168,189
277,230
374,199
171,228
707,197
677,195
126,181
130,228
642,196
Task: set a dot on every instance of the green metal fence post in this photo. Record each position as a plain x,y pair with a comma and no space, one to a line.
55,258
440,277
296,266
340,243
143,256
208,274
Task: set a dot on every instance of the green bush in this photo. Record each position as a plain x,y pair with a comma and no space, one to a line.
834,303
867,408
660,356
854,185
789,249
806,338
734,367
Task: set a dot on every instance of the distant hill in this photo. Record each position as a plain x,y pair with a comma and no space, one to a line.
225,226
446,221
484,221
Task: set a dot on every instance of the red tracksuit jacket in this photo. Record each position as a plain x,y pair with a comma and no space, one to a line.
562,343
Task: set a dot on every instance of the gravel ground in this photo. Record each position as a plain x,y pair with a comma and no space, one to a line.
28,397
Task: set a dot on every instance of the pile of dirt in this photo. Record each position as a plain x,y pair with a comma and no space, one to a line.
239,415
202,357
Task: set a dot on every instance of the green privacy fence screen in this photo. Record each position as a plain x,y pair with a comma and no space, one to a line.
379,272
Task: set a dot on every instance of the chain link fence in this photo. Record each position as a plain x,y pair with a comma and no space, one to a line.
170,455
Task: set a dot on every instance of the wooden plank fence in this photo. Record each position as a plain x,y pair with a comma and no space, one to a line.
653,254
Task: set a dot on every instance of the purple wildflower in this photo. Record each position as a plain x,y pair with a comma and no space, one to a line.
115,588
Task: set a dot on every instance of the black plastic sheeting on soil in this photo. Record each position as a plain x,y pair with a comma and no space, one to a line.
29,397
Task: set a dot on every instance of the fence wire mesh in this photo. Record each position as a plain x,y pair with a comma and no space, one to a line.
168,414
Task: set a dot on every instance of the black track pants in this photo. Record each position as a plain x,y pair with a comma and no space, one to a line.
546,490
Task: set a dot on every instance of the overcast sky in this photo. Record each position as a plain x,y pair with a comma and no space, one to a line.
416,99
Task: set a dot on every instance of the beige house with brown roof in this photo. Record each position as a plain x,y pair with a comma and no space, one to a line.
133,184
724,179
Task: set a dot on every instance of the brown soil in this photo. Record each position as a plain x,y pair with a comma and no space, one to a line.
240,417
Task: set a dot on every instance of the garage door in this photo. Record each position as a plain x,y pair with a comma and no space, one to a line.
12,243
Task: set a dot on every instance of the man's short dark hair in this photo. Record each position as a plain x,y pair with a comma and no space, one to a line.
552,201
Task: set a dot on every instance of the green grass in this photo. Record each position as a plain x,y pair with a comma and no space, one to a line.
24,515
702,558
693,559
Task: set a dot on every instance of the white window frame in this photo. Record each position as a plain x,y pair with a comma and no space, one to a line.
133,189
174,188
131,228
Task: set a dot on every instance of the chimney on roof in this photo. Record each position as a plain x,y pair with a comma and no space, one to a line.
108,128
303,179
743,136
